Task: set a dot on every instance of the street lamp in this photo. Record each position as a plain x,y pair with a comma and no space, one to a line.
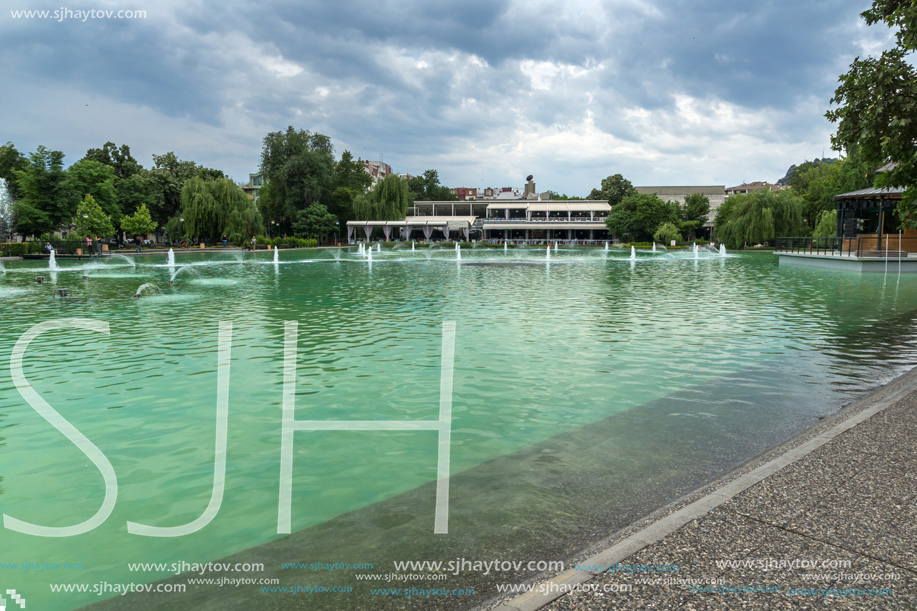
273,224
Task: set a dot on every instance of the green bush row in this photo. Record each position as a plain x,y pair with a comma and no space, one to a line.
290,242
15,249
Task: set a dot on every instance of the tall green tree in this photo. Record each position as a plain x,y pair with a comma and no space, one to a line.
46,202
693,214
639,215
350,181
817,182
299,167
426,188
389,201
11,160
118,158
877,105
614,188
91,220
351,174
88,177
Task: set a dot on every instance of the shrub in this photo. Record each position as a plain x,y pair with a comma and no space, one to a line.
666,232
15,249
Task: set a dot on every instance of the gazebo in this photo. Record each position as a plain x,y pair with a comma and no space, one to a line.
863,219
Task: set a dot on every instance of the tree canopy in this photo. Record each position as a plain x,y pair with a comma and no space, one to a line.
426,188
298,166
88,177
639,215
817,182
10,161
693,214
759,217
876,102
389,201
212,209
315,222
91,220
138,224
46,201
614,188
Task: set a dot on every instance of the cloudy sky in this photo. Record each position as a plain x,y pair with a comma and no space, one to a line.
665,92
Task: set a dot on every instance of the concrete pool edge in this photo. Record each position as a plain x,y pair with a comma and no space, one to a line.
676,515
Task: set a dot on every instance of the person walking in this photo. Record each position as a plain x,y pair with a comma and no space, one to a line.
224,241
254,243
88,246
137,239
99,245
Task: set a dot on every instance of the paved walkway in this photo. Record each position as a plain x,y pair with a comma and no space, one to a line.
828,521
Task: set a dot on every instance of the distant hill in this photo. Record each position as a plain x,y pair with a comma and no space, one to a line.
792,169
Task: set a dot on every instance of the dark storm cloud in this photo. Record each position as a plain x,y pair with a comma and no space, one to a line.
423,80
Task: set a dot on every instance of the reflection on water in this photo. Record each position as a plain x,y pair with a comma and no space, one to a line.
586,394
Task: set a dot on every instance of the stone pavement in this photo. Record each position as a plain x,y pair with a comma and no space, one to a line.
827,521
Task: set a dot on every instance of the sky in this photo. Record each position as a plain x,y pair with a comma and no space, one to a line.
675,92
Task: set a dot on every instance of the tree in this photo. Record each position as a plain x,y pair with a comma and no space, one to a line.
877,105
138,224
666,233
426,188
315,222
614,188
88,177
640,215
10,161
91,220
45,201
389,201
350,174
817,182
693,214
165,181
215,208
758,217
299,167
827,224
118,158
350,181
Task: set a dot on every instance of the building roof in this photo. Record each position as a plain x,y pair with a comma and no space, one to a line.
552,205
685,190
873,193
417,221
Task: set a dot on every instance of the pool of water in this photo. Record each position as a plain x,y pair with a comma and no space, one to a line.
588,390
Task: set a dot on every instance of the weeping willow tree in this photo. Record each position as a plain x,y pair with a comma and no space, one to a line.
827,225
212,209
760,216
389,201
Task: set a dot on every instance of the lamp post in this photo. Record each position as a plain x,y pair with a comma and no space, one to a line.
273,225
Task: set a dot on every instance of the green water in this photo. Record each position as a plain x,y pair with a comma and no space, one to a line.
541,350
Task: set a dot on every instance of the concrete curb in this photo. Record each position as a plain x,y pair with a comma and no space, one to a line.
532,601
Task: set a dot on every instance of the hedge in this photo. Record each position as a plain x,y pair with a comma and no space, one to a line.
15,249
